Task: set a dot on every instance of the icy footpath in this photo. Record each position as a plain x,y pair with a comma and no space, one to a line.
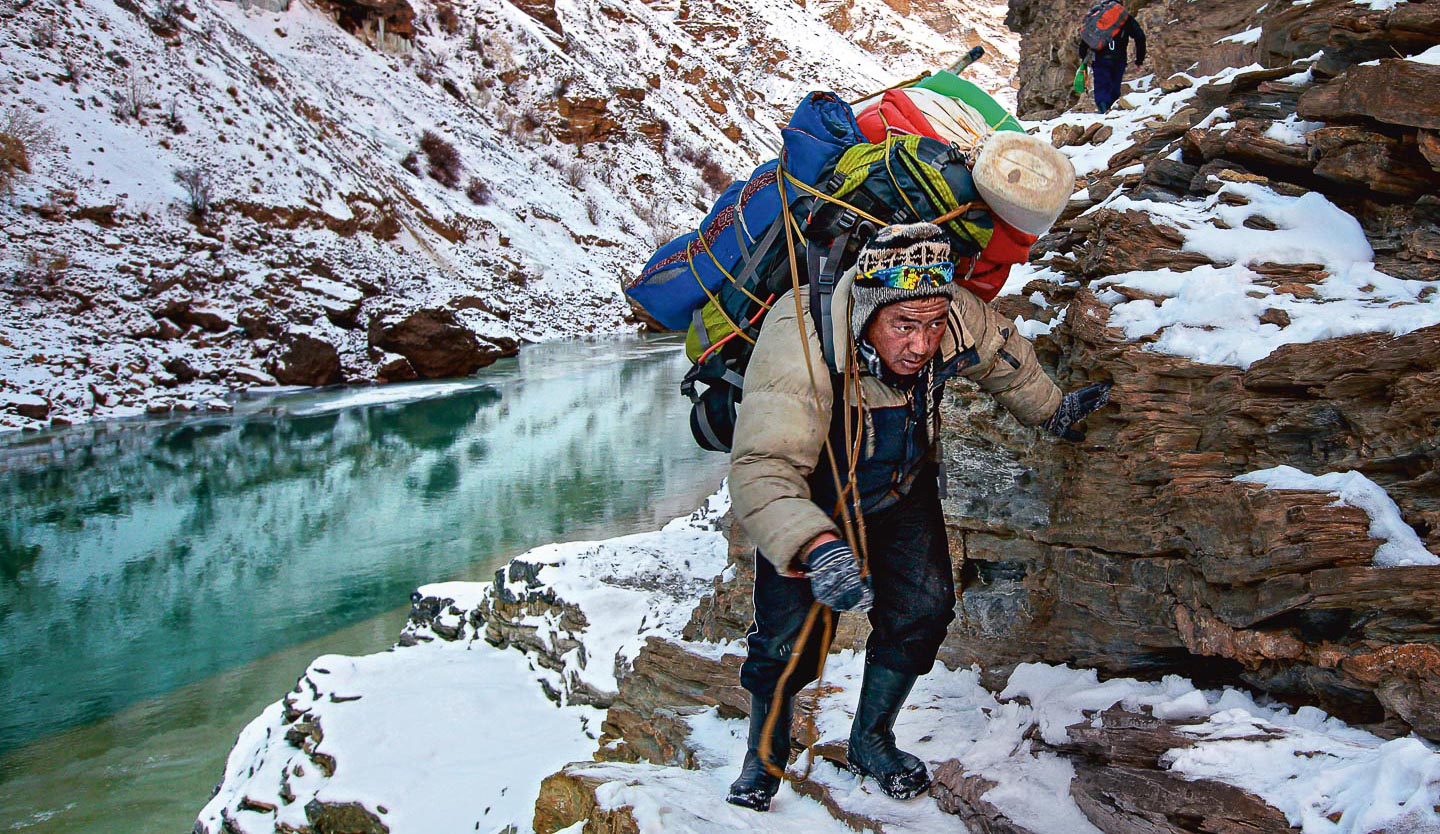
1322,775
449,733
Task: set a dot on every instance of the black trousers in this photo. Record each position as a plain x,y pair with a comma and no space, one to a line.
914,599
1109,74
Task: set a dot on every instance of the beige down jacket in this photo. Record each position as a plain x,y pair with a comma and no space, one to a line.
786,413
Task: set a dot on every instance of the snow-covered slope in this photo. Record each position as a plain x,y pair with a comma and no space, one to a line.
574,153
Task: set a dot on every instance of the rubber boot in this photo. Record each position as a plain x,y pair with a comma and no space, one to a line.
872,736
756,787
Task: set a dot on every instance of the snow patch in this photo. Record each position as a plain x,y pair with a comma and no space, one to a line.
1212,313
1247,36
1292,129
1430,56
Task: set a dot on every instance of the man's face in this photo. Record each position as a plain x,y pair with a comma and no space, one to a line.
906,334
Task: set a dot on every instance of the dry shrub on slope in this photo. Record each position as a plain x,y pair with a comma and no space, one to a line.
445,166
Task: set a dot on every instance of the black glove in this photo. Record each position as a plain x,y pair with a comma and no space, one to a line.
1074,407
835,578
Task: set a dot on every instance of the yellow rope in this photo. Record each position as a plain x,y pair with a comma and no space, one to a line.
690,262
830,199
700,235
847,526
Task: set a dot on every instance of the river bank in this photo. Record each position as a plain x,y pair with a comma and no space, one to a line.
146,560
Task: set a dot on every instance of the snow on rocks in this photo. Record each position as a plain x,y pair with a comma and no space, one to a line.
1251,35
1021,742
1401,545
586,608
1198,257
1214,314
439,737
467,734
450,732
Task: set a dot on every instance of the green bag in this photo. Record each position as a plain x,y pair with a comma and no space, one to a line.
1080,79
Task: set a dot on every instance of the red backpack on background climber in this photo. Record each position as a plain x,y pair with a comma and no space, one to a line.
1103,23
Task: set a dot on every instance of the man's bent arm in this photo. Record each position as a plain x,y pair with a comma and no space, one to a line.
1007,368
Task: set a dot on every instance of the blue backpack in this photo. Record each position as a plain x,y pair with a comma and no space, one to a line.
719,281
740,243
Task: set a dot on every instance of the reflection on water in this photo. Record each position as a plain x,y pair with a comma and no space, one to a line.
135,562
151,767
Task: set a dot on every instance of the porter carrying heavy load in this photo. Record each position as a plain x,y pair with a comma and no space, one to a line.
936,153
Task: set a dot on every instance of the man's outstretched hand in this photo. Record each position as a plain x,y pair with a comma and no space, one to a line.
1074,407
835,578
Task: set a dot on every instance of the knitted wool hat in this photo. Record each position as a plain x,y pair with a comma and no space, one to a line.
913,244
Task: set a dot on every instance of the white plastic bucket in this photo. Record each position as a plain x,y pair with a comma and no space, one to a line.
1024,180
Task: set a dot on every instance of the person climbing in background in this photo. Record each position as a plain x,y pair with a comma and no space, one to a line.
911,327
1107,31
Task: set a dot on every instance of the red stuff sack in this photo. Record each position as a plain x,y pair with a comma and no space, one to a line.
1103,24
1008,246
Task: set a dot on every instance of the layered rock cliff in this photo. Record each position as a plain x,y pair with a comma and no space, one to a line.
1138,552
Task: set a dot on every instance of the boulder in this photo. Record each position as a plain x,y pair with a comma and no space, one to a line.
1394,92
394,368
1124,241
1275,316
666,683
246,375
959,792
567,798
1361,158
26,405
1121,784
1429,144
303,358
437,344
349,817
1063,135
204,317
585,119
1247,144
1170,174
